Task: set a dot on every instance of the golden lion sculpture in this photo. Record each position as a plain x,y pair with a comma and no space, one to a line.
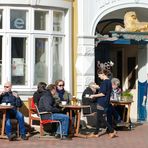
132,24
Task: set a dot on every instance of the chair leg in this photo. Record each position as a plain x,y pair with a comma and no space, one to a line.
61,135
30,121
41,130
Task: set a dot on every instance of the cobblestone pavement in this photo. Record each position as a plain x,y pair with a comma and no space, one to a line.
136,138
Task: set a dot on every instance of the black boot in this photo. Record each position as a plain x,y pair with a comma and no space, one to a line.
12,137
24,137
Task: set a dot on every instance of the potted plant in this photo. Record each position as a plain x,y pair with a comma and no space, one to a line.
127,95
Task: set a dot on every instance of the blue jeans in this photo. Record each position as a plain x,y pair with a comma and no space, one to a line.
64,119
19,116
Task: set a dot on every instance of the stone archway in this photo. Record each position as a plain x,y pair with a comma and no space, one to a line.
137,90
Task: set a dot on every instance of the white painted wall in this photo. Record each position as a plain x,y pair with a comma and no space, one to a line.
90,13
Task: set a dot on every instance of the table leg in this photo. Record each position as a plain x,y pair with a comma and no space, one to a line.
78,122
3,123
124,113
70,126
128,113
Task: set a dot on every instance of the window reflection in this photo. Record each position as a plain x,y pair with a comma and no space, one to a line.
57,21
57,59
40,20
18,60
1,19
41,68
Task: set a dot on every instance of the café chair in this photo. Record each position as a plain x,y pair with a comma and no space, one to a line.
32,111
89,117
47,121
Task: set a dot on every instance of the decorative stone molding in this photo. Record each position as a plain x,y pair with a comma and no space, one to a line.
86,51
89,51
102,3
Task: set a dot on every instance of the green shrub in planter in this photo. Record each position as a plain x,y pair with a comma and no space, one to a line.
127,95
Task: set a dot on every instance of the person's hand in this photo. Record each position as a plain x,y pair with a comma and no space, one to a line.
61,109
15,94
91,96
144,101
2,92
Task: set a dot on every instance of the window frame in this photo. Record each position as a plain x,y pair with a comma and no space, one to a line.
7,67
28,11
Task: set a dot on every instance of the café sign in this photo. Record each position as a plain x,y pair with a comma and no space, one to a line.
18,23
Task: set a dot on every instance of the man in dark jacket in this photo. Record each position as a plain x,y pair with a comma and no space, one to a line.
12,98
47,104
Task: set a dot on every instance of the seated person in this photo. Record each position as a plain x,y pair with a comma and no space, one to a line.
8,96
61,93
116,93
41,89
91,89
46,104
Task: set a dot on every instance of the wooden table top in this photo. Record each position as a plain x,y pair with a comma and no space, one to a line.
5,107
121,102
75,106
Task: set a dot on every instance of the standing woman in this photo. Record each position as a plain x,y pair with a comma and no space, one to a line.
103,100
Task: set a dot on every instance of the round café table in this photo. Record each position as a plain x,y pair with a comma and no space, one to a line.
3,109
77,109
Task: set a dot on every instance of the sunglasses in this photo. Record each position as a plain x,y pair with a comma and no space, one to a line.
60,85
6,86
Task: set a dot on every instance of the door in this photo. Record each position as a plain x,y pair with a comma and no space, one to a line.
130,74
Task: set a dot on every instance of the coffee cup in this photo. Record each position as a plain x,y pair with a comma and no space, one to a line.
8,104
63,102
87,95
3,104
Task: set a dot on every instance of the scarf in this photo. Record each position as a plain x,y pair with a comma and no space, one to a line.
61,94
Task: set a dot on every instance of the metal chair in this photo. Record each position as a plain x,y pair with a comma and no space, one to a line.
47,121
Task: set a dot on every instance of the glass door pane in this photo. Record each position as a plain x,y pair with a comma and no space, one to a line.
18,61
57,59
57,21
41,67
1,18
40,20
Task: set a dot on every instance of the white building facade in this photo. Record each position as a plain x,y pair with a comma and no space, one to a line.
91,13
35,43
